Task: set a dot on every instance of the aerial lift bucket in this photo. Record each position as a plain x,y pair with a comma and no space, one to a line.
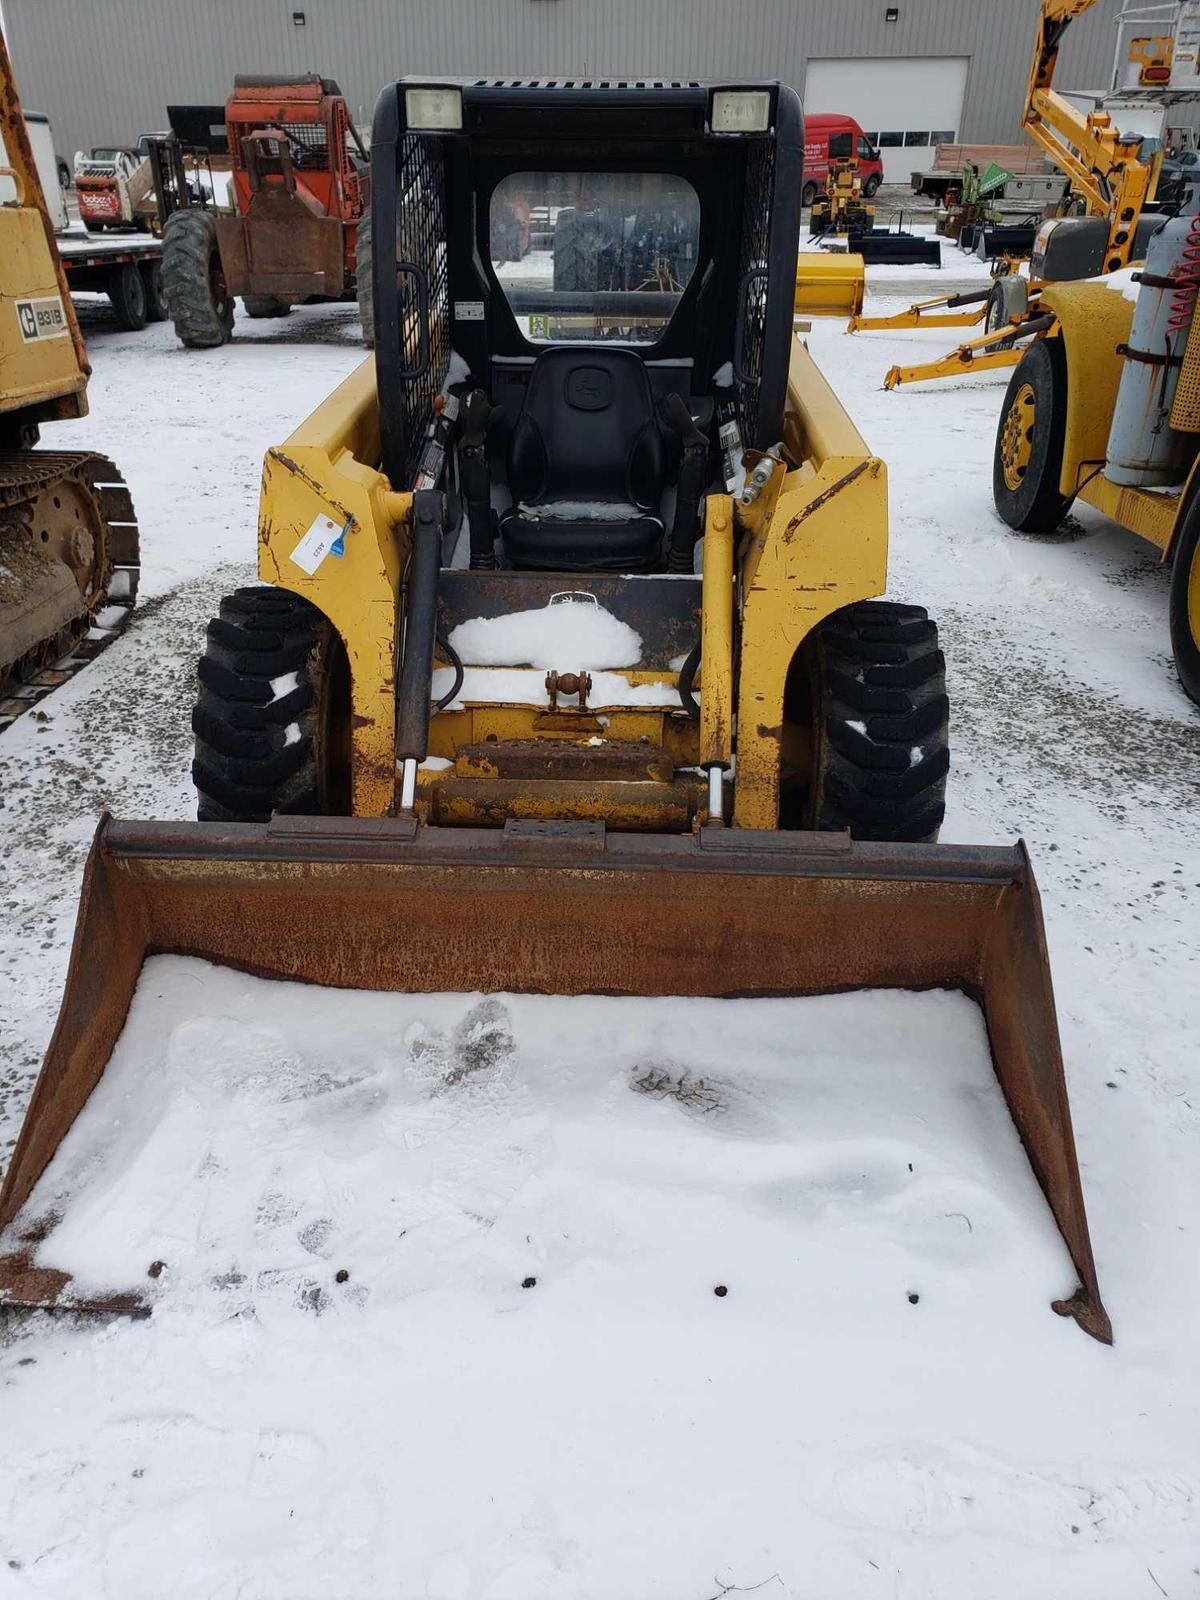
829,283
549,907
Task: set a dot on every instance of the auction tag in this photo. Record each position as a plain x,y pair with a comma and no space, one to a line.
320,541
468,311
42,319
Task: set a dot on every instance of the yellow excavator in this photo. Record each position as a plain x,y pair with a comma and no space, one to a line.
567,672
1113,166
68,538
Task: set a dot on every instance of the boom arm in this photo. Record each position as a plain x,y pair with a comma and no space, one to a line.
1107,171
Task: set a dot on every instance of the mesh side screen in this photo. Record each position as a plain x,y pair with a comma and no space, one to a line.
309,144
421,240
753,257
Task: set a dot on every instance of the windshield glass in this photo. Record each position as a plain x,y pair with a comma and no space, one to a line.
594,255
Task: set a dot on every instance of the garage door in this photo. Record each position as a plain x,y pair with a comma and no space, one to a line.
905,105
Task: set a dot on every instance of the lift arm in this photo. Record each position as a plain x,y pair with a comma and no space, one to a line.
1108,172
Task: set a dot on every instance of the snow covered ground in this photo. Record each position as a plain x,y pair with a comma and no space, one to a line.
451,1435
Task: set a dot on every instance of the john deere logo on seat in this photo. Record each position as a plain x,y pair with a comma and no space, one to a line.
41,319
589,389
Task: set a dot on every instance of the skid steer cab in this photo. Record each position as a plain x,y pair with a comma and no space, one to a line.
591,540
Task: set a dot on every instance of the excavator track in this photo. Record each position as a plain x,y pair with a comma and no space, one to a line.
68,569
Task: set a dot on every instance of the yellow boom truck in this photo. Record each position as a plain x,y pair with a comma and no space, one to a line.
68,539
567,673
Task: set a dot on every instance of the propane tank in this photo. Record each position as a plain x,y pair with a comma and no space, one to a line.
1144,451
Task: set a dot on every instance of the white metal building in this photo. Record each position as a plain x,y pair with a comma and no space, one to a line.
105,70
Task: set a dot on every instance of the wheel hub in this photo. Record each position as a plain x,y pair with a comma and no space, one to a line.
1016,439
62,521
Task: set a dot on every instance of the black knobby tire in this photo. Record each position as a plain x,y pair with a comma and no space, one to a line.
156,300
265,305
127,294
1184,602
581,239
201,306
874,686
1026,491
264,743
362,280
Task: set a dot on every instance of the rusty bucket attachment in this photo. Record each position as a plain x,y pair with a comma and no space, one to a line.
829,283
561,908
285,245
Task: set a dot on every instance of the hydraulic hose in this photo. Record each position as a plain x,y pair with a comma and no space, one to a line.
687,676
693,470
420,627
456,663
473,472
976,297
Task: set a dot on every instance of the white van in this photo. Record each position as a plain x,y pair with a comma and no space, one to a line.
41,139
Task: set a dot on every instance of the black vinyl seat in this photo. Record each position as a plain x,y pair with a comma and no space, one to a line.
586,466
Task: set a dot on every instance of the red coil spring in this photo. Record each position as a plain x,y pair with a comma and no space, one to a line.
1183,298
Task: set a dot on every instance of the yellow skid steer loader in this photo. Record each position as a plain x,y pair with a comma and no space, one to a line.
568,675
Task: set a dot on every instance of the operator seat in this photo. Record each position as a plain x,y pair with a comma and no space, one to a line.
586,466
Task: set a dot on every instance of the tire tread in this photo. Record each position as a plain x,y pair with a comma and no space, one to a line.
884,724
189,240
248,763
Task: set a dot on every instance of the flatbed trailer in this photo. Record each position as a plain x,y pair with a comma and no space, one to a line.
127,267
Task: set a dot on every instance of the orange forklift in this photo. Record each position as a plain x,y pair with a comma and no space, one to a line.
289,233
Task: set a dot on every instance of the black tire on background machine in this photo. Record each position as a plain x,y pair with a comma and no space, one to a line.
996,317
265,305
156,300
409,247
362,280
1036,504
579,242
262,745
869,689
1183,605
128,297
201,307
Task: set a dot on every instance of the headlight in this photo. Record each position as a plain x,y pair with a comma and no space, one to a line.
741,111
433,110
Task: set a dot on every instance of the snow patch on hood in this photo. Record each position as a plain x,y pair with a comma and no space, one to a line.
581,511
1122,283
457,372
570,635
